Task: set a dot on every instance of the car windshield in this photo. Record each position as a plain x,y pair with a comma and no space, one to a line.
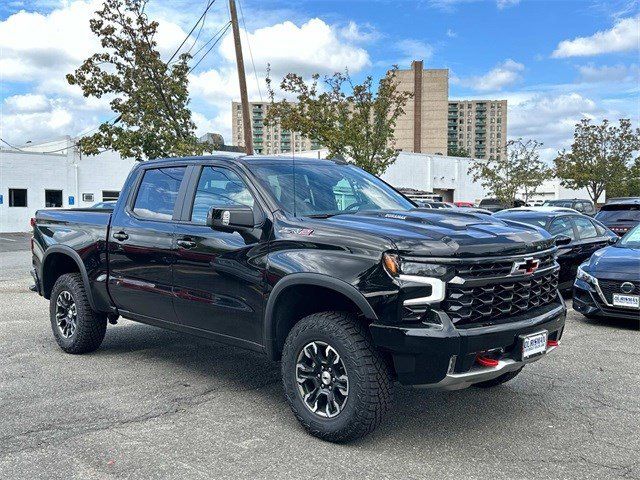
326,188
536,221
557,203
619,213
631,239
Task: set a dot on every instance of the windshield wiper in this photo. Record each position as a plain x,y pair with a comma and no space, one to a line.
323,215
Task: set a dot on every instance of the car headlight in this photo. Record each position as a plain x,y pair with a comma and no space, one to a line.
585,277
396,266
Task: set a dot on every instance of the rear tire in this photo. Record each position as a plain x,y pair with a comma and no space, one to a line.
329,363
498,380
76,327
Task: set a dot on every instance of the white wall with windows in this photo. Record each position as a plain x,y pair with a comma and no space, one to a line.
30,180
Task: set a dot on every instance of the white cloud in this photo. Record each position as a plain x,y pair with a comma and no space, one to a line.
39,49
313,47
550,118
609,73
365,33
503,75
501,4
451,33
411,49
622,37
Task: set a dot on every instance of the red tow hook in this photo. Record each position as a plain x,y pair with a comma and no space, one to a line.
552,343
486,361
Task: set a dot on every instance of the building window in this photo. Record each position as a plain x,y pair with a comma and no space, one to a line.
110,195
87,197
53,198
17,197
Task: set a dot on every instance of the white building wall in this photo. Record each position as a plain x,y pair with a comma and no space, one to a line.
37,172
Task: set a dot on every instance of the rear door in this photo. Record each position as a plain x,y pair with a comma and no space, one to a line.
141,244
219,276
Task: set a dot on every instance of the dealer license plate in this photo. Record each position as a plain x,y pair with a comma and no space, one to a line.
632,301
534,344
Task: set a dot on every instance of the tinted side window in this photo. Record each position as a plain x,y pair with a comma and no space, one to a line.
585,228
218,187
158,193
562,226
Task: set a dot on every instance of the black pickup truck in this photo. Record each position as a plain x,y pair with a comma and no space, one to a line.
314,263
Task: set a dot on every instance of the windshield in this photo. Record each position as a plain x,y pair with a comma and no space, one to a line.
631,239
619,213
326,188
529,220
557,203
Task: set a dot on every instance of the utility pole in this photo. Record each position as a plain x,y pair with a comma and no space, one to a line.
244,99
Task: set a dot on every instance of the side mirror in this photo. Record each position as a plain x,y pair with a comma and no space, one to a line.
230,219
614,240
563,240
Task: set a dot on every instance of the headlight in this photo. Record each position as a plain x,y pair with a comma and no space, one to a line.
396,266
585,277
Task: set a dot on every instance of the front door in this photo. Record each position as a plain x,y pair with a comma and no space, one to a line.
141,246
218,276
567,254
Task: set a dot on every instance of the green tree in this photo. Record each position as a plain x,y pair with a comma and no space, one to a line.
601,157
519,169
150,96
458,151
357,125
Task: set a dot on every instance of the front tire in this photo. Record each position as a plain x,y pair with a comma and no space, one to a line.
76,327
337,383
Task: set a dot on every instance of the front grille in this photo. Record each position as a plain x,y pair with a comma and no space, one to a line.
609,287
499,268
485,304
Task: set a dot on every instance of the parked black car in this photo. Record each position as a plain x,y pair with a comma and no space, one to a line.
587,236
620,214
315,263
579,205
495,205
608,284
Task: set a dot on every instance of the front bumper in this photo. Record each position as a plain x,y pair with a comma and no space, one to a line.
444,356
589,302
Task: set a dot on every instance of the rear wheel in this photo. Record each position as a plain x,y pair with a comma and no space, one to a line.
336,382
494,382
76,327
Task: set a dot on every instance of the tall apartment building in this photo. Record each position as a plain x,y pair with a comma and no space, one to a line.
423,126
267,140
479,126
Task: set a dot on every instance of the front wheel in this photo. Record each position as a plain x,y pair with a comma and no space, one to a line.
76,327
336,382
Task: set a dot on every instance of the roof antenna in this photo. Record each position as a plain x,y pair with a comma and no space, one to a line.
293,168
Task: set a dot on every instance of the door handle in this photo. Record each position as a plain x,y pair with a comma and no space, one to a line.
185,243
120,236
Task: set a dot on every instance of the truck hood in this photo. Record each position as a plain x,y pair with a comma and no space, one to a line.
447,234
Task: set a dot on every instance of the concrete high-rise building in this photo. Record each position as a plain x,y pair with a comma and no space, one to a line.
267,140
478,126
423,126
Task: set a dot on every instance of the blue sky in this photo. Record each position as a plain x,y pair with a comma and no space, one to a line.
554,61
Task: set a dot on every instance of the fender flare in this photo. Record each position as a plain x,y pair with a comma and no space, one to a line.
314,279
70,252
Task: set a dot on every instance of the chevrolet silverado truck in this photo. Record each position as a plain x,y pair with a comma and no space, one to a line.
314,263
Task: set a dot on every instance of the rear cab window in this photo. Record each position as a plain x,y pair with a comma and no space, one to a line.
158,192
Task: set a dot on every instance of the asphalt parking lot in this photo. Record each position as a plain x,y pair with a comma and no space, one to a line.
157,404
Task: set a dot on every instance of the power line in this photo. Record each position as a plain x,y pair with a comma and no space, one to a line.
204,20
246,32
191,31
222,32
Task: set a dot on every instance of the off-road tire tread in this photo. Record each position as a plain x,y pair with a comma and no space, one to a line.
91,326
373,372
